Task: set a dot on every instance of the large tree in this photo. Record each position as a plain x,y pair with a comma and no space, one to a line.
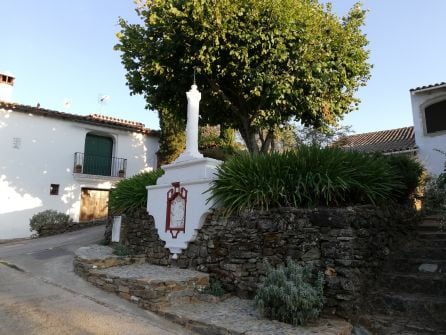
258,63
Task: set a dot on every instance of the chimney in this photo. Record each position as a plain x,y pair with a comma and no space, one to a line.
6,84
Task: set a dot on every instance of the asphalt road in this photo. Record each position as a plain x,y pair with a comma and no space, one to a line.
40,293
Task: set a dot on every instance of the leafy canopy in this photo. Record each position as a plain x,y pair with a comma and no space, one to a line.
259,63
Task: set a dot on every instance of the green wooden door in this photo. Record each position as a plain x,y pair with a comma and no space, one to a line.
98,155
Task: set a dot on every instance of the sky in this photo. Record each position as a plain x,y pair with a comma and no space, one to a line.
61,53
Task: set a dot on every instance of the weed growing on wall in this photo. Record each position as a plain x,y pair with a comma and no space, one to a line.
214,289
291,294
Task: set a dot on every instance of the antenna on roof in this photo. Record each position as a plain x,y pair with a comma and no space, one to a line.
103,100
67,104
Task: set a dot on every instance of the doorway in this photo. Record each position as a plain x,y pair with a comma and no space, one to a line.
98,155
94,204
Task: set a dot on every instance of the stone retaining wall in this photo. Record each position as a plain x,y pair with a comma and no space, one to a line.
52,229
348,244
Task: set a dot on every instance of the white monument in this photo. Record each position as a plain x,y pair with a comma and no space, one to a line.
177,202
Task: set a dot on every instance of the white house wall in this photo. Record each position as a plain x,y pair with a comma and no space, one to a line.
37,151
427,143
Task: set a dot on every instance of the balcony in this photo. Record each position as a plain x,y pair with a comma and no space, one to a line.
99,165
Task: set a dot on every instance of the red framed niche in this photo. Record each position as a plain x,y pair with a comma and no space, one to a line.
176,209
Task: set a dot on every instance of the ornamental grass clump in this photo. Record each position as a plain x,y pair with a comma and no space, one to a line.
131,194
291,294
307,177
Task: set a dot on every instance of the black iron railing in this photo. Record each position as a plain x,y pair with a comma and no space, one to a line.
99,165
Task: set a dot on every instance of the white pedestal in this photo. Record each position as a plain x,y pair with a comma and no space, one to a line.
194,176
116,229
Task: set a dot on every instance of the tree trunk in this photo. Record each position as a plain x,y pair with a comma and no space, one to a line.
249,136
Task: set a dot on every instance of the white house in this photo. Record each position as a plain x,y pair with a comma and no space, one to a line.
426,138
429,119
62,161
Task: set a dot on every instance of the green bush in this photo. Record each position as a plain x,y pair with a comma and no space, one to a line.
409,170
307,177
291,294
131,194
121,250
435,196
218,144
214,289
48,218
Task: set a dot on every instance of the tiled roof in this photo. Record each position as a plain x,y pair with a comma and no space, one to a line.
94,119
427,87
386,141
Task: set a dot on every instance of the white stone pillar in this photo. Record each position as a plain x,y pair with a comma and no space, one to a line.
193,110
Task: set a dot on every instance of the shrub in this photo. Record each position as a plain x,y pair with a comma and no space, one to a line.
131,194
291,294
435,196
307,177
218,144
121,250
214,289
48,218
409,170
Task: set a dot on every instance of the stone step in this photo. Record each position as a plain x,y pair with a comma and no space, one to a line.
423,251
379,324
236,316
423,310
434,242
150,286
424,283
416,265
431,225
431,235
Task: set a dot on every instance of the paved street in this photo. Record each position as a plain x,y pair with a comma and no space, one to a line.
40,294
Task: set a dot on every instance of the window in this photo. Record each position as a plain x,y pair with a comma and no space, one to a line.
54,189
435,116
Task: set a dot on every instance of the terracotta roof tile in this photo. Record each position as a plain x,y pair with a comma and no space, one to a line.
427,86
385,141
95,119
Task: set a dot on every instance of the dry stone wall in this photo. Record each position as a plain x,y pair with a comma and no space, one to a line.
348,244
53,229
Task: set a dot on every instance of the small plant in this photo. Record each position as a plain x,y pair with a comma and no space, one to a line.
131,194
291,294
103,242
122,250
48,218
214,289
435,195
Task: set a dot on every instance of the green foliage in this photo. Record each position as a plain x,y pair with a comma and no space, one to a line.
218,143
131,194
410,172
435,196
48,218
308,177
104,242
172,137
435,193
291,294
214,289
259,63
121,250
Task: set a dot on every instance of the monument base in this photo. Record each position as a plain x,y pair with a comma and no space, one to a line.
178,202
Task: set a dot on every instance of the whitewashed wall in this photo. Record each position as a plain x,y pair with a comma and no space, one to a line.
432,160
37,151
